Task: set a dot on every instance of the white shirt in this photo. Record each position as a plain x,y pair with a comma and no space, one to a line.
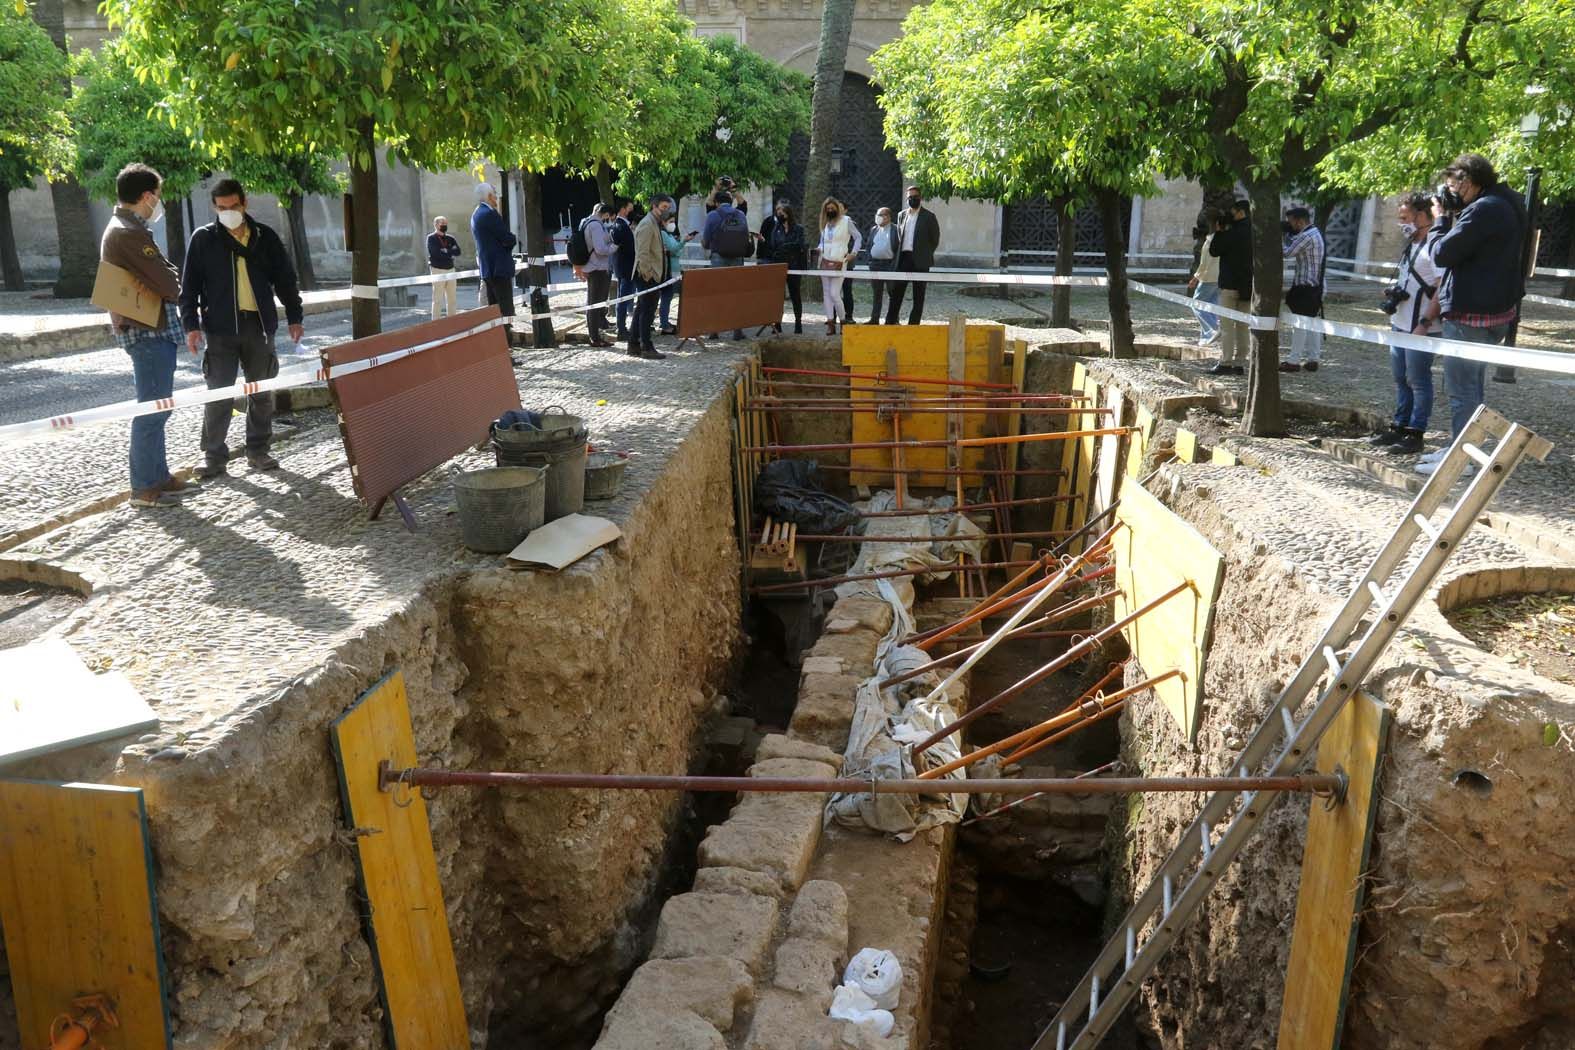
909,225
1417,262
837,240
1208,265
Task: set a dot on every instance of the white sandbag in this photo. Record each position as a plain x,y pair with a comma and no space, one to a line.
878,974
849,1003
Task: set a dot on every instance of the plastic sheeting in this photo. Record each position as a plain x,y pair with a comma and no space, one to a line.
791,490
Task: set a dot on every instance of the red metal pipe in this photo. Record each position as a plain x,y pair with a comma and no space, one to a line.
950,472
832,581
802,538
1029,798
881,378
967,508
894,408
1114,700
416,777
1015,636
850,446
1076,652
994,606
898,397
1027,630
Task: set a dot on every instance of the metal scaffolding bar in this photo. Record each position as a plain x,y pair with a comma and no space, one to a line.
879,378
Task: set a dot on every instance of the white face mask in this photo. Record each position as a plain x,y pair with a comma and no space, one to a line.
881,220
232,218
158,213
672,226
1408,229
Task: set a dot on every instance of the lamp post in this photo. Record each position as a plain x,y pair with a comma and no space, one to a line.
1530,125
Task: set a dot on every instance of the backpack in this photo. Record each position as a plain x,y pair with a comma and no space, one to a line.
579,249
732,239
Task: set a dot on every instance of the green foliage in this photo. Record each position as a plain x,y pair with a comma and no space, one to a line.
286,174
121,119
35,132
746,108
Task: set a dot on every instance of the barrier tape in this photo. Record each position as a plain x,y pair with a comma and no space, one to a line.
959,277
1254,321
1552,271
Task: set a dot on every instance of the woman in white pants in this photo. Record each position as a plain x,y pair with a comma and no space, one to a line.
836,244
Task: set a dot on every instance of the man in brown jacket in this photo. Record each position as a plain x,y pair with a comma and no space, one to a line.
128,244
650,270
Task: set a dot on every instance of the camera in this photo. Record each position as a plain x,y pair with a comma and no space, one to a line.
1394,295
1448,199
1287,229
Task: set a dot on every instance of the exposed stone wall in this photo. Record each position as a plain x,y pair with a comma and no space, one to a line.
610,665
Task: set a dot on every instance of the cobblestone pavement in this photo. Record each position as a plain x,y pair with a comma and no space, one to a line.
55,473
287,563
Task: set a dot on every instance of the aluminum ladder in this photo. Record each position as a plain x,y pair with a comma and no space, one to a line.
1284,740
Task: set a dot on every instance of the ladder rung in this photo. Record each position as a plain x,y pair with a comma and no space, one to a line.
1060,1036
1093,998
1332,658
1131,946
1290,723
1170,888
1208,846
1378,594
1477,454
1426,527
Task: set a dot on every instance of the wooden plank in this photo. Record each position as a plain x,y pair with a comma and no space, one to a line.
1140,441
956,367
1154,552
1186,445
1224,457
1083,482
407,924
1014,422
1334,860
1109,450
78,906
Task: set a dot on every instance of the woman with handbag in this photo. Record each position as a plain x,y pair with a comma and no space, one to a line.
836,252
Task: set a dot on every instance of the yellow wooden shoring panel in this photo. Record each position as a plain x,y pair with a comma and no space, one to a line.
1140,439
1070,514
1186,445
1224,457
407,922
1334,859
1014,422
1083,481
922,352
77,903
1154,552
1109,449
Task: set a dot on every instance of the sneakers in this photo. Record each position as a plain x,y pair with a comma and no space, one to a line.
1290,366
1386,437
1428,468
1409,443
174,484
1433,456
261,461
153,498
1310,366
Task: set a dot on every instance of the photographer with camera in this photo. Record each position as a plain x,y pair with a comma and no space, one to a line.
1304,244
1478,251
1412,305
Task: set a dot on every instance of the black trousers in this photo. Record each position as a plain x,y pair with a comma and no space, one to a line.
795,291
644,312
500,290
250,353
898,288
879,287
847,294
598,283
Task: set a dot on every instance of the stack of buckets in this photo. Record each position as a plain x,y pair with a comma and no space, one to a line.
540,476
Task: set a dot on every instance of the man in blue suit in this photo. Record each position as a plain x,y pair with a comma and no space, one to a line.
494,249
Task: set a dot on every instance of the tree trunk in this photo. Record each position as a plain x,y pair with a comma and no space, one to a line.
1262,416
10,265
537,246
1110,203
366,315
1065,259
78,247
175,232
295,217
1568,291
836,26
604,182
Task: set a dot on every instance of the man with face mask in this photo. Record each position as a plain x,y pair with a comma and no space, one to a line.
918,235
883,255
1412,305
649,270
128,243
442,250
235,267
1479,252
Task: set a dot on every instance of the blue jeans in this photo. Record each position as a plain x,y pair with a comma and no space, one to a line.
1413,372
1208,324
625,287
153,371
1464,378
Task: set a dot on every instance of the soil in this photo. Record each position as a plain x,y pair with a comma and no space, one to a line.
1533,631
27,610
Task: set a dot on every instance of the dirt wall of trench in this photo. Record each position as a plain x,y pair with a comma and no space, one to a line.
1465,940
614,664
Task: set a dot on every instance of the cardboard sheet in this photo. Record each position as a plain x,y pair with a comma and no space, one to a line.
116,290
50,701
559,544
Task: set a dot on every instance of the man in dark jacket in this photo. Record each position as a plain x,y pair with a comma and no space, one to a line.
494,249
1480,254
234,269
918,235
442,250
1232,245
623,260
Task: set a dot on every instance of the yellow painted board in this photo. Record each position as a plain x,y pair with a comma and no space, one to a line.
1140,439
1014,422
1083,481
407,923
1334,859
1186,445
79,911
1070,513
1109,449
1224,457
1155,551
922,351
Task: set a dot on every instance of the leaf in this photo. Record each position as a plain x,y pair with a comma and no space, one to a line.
388,77
1550,734
233,61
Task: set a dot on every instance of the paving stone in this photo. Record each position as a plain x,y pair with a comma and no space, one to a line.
825,711
808,967
871,614
716,924
652,1028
